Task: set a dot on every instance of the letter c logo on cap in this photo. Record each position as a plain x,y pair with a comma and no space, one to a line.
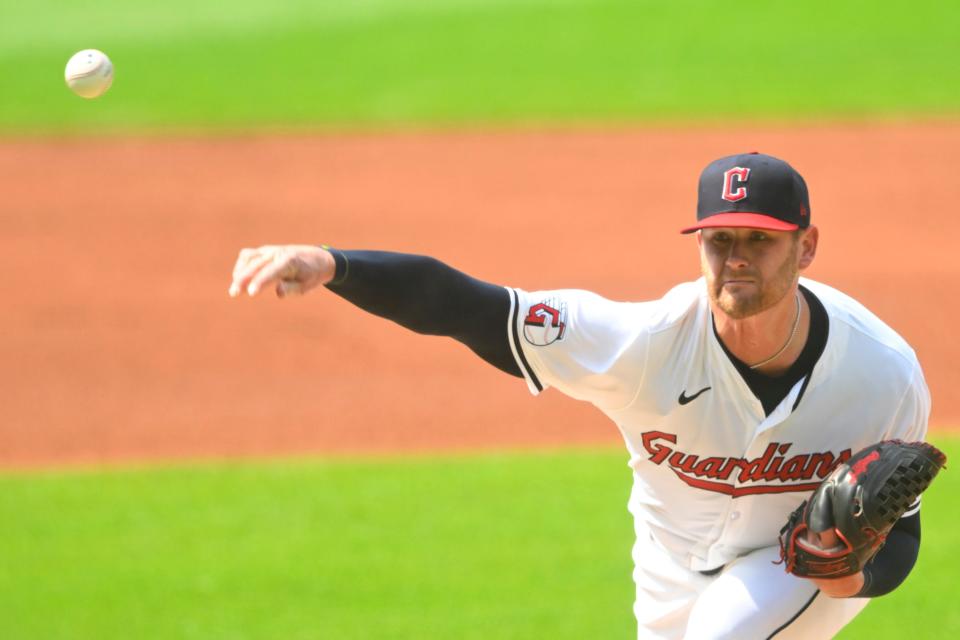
741,174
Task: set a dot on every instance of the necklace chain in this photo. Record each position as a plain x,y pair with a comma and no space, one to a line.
793,334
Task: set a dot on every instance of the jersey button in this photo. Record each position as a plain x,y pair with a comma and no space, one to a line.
734,515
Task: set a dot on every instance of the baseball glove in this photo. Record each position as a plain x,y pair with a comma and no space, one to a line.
860,501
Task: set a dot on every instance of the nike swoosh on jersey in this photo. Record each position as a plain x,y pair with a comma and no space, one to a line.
684,398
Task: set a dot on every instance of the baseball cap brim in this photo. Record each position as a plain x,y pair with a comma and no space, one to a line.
742,219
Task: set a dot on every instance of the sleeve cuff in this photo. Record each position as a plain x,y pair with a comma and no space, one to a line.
513,336
342,265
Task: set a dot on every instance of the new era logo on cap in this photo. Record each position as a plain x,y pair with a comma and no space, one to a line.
752,190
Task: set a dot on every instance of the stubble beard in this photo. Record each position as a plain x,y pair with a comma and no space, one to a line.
766,294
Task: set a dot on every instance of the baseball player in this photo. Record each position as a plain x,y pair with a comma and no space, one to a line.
736,396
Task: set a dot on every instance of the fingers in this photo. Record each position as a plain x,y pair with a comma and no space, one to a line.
256,267
294,269
281,266
248,265
246,255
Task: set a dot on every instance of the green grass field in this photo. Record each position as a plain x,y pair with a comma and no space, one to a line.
299,64
533,545
513,546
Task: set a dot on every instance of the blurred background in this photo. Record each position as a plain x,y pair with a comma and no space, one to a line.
179,464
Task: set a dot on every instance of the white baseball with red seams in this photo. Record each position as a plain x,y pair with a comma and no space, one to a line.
89,73
714,477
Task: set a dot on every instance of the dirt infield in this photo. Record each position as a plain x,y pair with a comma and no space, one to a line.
118,339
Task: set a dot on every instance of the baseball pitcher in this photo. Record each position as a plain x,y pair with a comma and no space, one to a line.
775,426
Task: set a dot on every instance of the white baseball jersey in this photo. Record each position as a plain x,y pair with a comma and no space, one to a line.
714,477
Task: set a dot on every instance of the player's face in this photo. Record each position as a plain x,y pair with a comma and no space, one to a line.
750,270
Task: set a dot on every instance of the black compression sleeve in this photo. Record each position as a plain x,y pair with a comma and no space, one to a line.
427,296
896,558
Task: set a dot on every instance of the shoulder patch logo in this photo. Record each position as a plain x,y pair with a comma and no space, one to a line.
545,322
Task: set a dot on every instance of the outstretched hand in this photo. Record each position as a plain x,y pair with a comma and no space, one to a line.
290,269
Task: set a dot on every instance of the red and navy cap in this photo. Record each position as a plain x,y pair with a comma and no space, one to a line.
752,190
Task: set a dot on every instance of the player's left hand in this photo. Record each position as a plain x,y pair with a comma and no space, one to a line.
832,536
828,541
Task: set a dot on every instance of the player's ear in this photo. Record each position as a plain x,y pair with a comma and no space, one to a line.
809,238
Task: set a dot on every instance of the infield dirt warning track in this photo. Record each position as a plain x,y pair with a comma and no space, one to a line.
119,341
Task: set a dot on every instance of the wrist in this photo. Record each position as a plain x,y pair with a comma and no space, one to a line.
845,587
340,268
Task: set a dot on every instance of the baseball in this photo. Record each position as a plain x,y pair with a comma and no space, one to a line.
89,73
